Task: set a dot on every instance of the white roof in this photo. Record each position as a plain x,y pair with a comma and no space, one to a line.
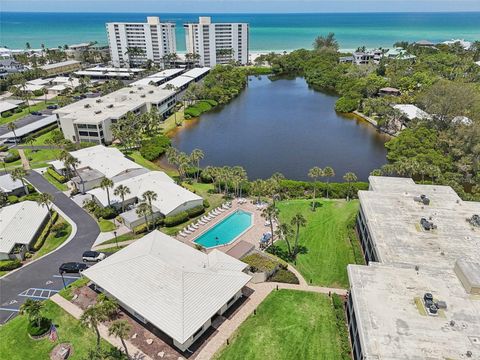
60,64
27,129
169,195
148,80
39,82
173,286
7,184
412,112
19,223
478,63
31,87
167,73
178,82
107,160
196,72
114,69
462,120
6,106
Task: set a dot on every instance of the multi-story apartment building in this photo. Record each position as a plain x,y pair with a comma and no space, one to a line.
217,43
90,119
135,43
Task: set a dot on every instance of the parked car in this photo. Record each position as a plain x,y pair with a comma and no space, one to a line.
36,113
93,256
72,267
52,107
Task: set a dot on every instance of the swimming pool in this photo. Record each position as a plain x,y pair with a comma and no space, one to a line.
227,230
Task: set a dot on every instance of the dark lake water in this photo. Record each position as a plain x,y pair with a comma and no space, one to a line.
284,126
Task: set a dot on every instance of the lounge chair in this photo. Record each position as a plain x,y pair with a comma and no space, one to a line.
187,232
225,207
201,222
208,218
194,226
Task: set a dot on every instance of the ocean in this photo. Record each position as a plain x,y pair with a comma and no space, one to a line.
267,31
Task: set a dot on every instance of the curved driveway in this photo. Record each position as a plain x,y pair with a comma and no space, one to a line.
43,273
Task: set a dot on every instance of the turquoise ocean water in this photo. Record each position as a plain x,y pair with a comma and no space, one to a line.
267,31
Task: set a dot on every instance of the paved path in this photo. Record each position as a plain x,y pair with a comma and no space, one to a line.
77,312
108,246
17,286
23,157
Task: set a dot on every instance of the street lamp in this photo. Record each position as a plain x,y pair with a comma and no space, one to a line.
63,279
116,240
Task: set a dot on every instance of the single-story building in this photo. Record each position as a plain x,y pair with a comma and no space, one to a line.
63,67
10,105
20,226
10,186
412,112
26,130
171,198
389,91
170,285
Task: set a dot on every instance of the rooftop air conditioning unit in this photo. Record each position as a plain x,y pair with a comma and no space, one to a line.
86,106
110,106
98,111
142,96
132,92
98,100
150,92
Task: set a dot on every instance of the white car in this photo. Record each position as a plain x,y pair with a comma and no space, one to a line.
93,256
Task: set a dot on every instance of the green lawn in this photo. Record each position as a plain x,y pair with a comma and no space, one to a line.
288,325
42,139
15,344
37,158
327,239
67,293
124,237
106,225
53,241
37,107
55,182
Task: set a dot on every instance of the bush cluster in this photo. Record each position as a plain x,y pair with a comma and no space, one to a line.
199,107
346,104
12,156
302,189
7,265
3,148
108,212
6,114
340,321
284,276
34,330
153,148
12,199
195,211
177,219
56,176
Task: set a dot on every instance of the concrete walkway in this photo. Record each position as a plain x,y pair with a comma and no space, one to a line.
77,312
23,157
108,246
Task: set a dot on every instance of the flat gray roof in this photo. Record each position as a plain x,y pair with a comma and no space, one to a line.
27,129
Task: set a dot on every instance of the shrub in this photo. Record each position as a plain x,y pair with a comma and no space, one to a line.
12,199
192,111
206,204
58,228
153,148
6,114
45,130
108,212
339,310
212,103
346,104
3,148
301,189
31,197
17,110
37,92
34,329
56,176
260,262
174,220
12,156
31,189
195,211
284,276
7,265
46,231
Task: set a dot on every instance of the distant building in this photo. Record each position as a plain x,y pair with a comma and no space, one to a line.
100,72
60,68
424,43
153,40
389,91
10,66
10,105
399,54
463,43
412,112
10,186
365,57
170,285
217,43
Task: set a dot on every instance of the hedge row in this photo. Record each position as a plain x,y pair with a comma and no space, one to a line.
260,262
6,114
302,189
3,148
12,156
195,211
153,148
174,220
284,276
46,231
56,176
45,130
7,265
339,310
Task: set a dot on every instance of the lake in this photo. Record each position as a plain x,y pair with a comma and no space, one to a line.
283,126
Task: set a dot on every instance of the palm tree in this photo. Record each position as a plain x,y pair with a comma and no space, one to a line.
328,41
284,231
149,196
257,188
45,93
11,126
106,184
196,156
270,213
122,191
46,200
33,310
349,177
298,221
92,317
275,181
121,329
328,172
20,174
142,210
72,162
315,173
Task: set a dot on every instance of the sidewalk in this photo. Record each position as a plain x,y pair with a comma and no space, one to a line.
23,157
76,312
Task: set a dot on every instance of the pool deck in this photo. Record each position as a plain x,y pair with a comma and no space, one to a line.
251,235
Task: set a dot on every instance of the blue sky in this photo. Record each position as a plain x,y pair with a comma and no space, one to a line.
249,6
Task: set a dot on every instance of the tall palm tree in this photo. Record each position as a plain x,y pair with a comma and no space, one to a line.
11,126
106,184
328,172
284,231
349,177
270,213
298,221
122,191
142,210
315,173
149,196
20,174
33,310
121,329
46,200
257,188
196,156
328,41
92,317
276,187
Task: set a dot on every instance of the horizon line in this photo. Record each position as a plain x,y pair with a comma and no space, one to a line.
243,13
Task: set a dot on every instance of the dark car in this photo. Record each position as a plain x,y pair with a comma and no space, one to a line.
52,107
36,113
72,267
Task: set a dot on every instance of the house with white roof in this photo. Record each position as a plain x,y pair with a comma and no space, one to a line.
10,186
412,112
170,285
171,198
20,225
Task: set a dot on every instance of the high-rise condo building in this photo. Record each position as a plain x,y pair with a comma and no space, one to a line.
217,43
135,43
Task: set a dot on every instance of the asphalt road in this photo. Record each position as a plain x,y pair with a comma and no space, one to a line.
26,120
41,279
